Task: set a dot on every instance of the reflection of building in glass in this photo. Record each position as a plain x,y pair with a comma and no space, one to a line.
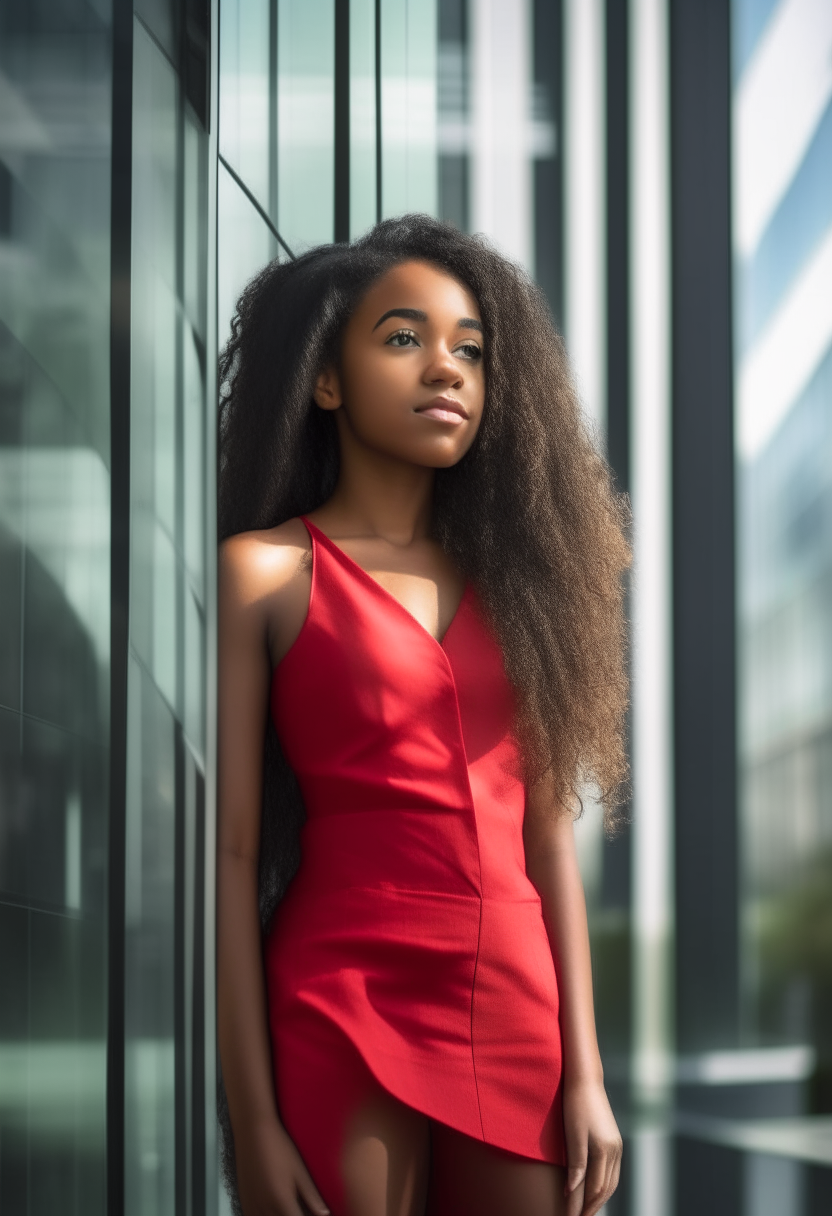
55,176
443,107
783,243
153,156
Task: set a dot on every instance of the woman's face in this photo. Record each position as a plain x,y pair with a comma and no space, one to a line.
411,382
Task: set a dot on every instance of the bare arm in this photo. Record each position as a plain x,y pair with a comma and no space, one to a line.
593,1142
270,1174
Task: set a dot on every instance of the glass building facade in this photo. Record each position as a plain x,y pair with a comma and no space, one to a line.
782,240
333,116
55,653
663,169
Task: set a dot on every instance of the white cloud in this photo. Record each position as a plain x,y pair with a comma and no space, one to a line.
782,361
779,102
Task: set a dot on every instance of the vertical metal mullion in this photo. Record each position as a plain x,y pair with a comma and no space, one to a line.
273,114
548,60
120,278
189,939
180,1035
342,121
584,200
616,884
198,1089
204,1076
707,948
379,128
618,259
179,979
652,702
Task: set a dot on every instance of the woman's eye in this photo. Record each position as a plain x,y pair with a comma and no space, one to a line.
469,350
402,337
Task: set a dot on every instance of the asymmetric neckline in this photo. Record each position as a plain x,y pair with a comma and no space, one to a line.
317,535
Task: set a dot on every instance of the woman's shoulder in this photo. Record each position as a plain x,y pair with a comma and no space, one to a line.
265,560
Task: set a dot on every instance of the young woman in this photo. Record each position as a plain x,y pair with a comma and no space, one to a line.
421,589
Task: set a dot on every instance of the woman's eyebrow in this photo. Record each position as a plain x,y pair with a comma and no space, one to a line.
407,314
416,314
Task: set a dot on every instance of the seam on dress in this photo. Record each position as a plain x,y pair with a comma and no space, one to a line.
473,805
473,993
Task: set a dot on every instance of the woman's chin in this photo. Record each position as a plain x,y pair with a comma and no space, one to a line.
439,455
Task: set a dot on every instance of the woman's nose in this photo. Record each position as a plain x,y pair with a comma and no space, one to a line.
445,368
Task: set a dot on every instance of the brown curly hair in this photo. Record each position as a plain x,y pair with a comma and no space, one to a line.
529,515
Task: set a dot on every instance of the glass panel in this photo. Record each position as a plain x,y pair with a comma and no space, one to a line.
193,456
194,701
245,245
164,615
362,116
160,17
246,96
149,1046
66,574
55,94
167,637
305,121
195,230
409,43
150,1142
453,132
12,388
783,252
154,364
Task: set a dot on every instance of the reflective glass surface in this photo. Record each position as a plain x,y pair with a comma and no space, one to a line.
363,116
305,121
783,257
244,245
166,681
409,47
247,96
453,112
787,245
55,84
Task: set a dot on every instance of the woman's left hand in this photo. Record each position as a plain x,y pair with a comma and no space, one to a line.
593,1147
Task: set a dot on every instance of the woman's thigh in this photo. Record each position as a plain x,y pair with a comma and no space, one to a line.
469,1178
368,1153
385,1159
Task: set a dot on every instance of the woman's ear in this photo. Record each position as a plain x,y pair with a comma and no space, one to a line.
327,392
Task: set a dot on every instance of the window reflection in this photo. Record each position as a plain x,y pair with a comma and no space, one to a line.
409,47
783,251
453,106
245,244
363,119
55,89
305,121
247,103
166,682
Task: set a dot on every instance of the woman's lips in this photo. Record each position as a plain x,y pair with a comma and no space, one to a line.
444,409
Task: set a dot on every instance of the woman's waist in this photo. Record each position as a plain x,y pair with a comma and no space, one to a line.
358,922
450,852
405,950
391,848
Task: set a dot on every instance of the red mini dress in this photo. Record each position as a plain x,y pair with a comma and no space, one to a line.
411,941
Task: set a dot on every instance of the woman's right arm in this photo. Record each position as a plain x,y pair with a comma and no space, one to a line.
271,1176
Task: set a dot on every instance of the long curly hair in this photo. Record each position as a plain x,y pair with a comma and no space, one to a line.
529,515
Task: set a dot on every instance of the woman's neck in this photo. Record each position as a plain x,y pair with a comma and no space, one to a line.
379,496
